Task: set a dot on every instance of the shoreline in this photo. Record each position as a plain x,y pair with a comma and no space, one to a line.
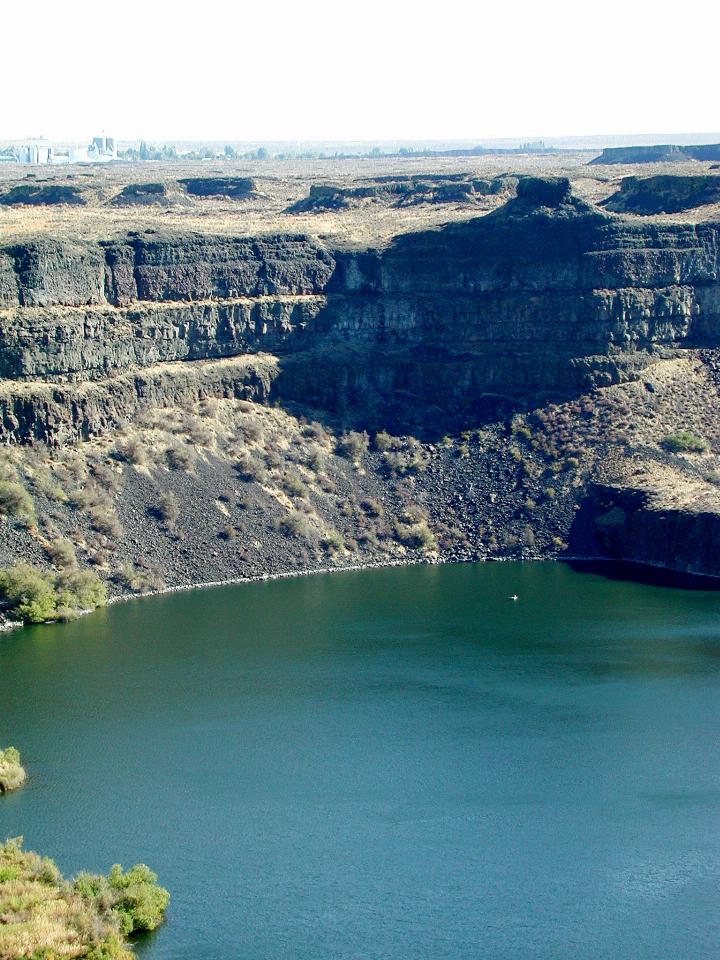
686,580
430,561
287,575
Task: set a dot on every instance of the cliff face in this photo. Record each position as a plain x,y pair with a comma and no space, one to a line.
542,297
665,153
663,194
47,273
60,414
91,342
636,523
540,304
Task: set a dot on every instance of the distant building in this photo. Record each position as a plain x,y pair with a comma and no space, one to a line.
36,151
101,150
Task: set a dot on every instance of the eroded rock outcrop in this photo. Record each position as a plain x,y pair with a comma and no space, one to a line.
140,194
660,518
56,413
233,188
37,194
402,191
658,153
663,194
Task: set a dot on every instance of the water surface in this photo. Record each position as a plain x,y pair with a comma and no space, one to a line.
397,764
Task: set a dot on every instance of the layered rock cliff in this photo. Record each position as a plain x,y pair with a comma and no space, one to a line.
467,327
542,298
655,153
660,519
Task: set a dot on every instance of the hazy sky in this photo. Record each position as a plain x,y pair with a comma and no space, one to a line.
365,70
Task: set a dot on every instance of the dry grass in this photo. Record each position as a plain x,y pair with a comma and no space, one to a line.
40,914
45,917
282,183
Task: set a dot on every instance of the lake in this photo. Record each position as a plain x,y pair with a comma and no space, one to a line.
397,764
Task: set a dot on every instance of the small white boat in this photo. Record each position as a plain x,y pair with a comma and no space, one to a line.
514,597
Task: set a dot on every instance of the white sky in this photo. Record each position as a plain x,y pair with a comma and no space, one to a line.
363,70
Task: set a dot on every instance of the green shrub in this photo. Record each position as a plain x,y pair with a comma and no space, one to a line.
168,507
292,484
62,553
29,593
332,541
46,918
110,949
296,524
15,501
519,428
179,457
353,445
416,535
12,774
80,590
35,596
683,442
135,897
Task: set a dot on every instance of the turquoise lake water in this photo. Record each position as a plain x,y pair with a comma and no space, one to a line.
396,764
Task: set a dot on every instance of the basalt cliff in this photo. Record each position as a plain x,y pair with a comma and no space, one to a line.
246,405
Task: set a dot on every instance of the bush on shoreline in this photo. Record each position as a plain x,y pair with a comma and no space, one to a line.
134,897
38,596
12,774
48,917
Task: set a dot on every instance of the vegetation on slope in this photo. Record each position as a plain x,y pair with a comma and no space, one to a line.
45,917
12,774
37,596
226,488
684,442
